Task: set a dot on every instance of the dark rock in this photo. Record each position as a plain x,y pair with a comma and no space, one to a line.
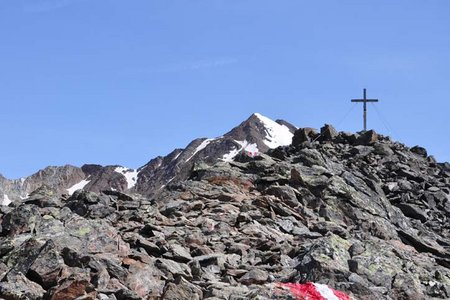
367,138
73,258
413,211
19,287
325,227
46,268
419,151
411,175
348,138
356,249
44,196
302,135
73,289
20,220
286,193
172,268
182,289
383,149
125,294
114,269
420,245
255,276
24,257
328,133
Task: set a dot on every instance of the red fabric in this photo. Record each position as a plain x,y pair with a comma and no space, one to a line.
308,291
304,291
341,295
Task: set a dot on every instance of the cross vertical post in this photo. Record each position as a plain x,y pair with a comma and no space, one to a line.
365,110
364,101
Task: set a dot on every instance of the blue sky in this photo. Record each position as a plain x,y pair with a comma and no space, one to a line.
120,82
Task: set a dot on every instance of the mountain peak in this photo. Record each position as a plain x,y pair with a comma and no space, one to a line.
265,132
255,135
277,134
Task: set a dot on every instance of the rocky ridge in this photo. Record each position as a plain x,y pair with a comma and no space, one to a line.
359,212
256,134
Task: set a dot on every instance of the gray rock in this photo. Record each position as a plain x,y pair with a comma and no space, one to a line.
19,287
255,276
182,290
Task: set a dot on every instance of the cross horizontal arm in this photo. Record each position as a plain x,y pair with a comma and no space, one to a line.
364,100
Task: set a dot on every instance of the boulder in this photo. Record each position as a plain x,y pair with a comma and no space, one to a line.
413,211
20,287
44,196
254,276
74,289
419,151
20,220
328,133
47,266
182,289
302,135
367,138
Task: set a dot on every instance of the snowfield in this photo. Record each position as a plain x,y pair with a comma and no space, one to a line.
277,135
130,175
78,186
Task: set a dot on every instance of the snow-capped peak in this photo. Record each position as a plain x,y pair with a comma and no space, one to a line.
276,134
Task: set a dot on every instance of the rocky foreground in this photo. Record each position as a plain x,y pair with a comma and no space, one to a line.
358,212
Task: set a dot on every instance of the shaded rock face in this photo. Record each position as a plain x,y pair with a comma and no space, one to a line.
56,178
62,180
365,216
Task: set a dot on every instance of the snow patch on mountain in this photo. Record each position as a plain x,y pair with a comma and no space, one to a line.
6,200
78,186
130,175
200,147
276,134
229,156
245,146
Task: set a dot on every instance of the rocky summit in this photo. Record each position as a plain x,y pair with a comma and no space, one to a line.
359,213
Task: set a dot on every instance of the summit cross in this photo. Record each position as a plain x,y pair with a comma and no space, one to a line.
365,100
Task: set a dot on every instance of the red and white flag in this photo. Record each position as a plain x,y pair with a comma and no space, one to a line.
314,291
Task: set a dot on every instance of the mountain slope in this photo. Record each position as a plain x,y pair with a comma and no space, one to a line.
256,134
357,212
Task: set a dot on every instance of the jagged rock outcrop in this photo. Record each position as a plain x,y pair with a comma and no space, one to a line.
58,178
358,212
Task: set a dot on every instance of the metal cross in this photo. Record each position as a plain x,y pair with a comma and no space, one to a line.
365,100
